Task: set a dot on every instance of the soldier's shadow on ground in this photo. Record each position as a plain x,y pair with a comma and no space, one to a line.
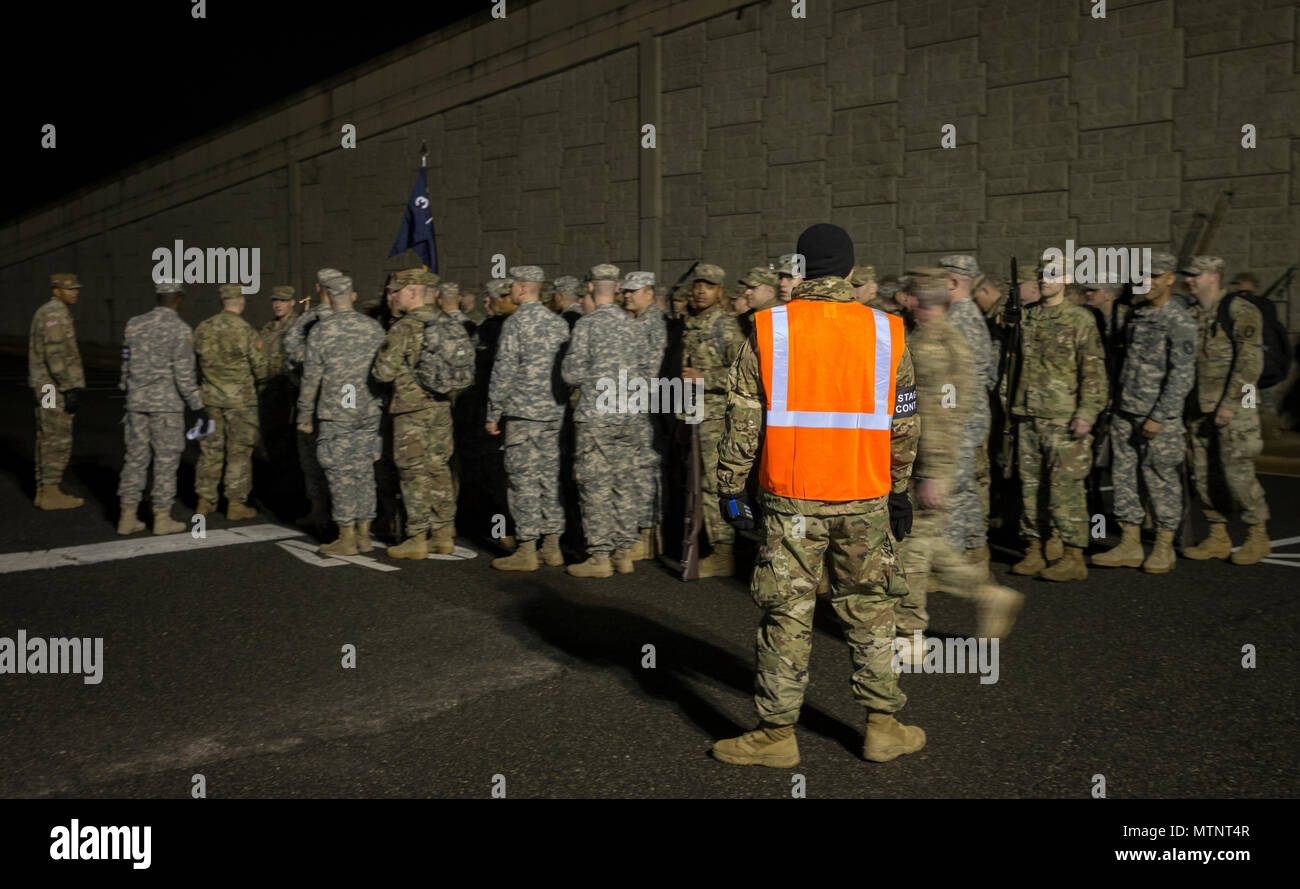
610,637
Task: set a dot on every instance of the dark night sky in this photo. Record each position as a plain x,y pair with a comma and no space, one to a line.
123,82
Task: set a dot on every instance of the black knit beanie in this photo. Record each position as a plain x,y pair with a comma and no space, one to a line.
827,250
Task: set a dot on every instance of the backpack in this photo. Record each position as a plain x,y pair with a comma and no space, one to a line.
1277,345
447,360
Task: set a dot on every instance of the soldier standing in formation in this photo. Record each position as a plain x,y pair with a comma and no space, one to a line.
159,381
275,398
652,330
338,402
760,293
55,374
231,364
526,394
295,353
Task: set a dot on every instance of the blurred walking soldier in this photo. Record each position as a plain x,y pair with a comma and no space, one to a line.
339,403
55,374
159,380
526,394
826,385
1146,427
648,321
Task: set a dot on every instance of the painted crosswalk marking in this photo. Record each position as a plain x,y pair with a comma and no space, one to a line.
115,550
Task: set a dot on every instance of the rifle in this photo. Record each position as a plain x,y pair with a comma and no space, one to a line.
1221,205
1283,281
694,513
1009,372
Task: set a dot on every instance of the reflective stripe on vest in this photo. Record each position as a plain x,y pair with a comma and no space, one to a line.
828,374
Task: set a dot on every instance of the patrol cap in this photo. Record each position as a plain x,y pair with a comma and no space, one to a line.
323,275
282,291
339,286
1027,273
499,286
960,264
711,273
785,265
604,272
567,284
404,278
65,281
1201,265
637,280
168,286
530,273
759,275
429,279
230,291
863,275
1163,262
450,288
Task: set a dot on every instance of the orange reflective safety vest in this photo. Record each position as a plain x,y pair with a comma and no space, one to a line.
828,375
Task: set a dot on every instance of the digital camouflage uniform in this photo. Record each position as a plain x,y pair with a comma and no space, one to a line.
653,342
527,393
968,505
1062,378
294,344
605,345
1223,457
710,342
852,538
1158,371
340,400
159,380
53,359
231,363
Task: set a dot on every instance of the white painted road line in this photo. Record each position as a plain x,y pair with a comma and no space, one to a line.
115,550
306,552
1289,564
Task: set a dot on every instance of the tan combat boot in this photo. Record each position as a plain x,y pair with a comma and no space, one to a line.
1070,566
996,608
644,548
319,514
129,522
205,507
1054,548
597,565
363,537
346,545
237,512
887,738
443,540
50,497
549,552
1162,558
1217,546
1129,553
719,563
508,543
767,745
1255,547
1033,562
622,561
163,523
414,547
524,558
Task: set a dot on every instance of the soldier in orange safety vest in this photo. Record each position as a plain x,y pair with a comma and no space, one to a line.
826,385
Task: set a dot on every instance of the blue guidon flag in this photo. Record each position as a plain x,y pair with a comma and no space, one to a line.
416,232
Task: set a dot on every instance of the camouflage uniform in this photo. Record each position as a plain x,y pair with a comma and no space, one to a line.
294,344
1223,457
231,363
525,391
968,498
653,332
603,348
1062,378
53,359
339,398
1157,374
159,381
710,342
851,537
276,397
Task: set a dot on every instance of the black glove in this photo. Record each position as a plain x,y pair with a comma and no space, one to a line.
72,400
900,515
737,511
202,416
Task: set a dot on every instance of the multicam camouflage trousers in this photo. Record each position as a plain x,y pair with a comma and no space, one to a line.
711,432
1141,465
53,442
422,445
532,458
605,470
164,435
228,447
926,551
1053,465
857,551
1223,464
968,507
348,453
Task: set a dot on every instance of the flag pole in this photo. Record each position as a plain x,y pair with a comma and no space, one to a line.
424,155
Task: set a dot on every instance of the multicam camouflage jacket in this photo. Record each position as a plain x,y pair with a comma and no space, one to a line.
272,334
947,392
231,360
52,353
1226,364
399,354
1063,366
710,342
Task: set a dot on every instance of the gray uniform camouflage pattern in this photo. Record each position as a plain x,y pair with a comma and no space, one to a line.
525,391
159,379
339,398
1158,372
968,506
231,363
53,359
850,541
646,471
710,342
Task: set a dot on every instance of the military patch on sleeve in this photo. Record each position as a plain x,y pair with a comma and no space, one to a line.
52,322
905,401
